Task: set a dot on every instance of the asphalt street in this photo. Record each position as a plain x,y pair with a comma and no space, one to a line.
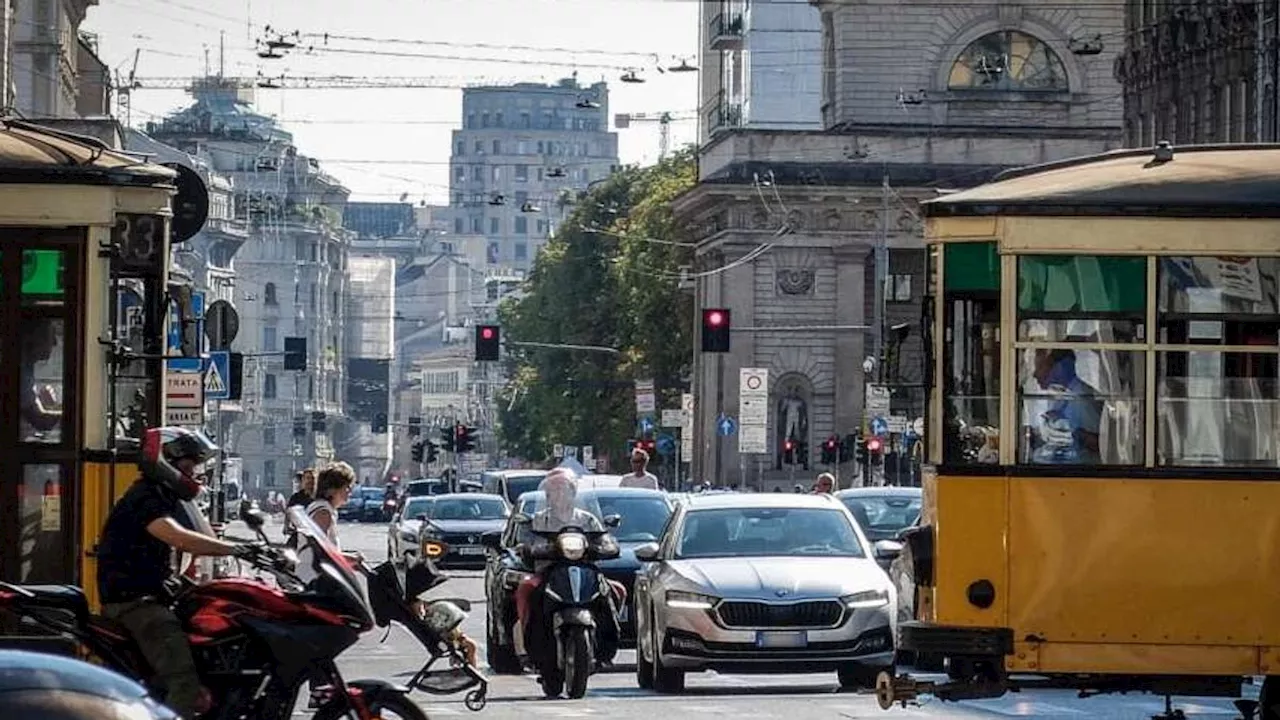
745,697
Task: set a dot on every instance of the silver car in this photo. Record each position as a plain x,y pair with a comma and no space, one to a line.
762,583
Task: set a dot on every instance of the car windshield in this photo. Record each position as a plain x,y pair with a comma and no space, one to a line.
768,531
418,506
475,508
882,517
643,516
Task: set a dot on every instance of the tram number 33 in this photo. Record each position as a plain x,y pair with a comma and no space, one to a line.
139,239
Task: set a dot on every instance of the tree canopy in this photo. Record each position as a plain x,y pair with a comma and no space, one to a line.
607,278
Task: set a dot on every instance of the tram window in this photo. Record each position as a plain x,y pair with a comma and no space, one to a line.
1218,409
971,376
43,277
972,267
42,369
1219,300
43,544
1082,285
1080,407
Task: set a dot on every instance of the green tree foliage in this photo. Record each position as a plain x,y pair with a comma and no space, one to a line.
608,278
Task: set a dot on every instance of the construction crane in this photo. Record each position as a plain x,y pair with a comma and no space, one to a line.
124,90
316,82
622,121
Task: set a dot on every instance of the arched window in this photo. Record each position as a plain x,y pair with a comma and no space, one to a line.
269,291
1008,60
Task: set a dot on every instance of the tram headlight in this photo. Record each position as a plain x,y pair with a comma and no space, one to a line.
572,546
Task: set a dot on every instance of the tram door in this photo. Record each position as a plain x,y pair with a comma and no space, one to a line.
40,434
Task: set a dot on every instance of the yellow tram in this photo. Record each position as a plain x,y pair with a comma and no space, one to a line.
1102,495
85,301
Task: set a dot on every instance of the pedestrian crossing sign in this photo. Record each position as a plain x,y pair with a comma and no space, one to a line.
217,376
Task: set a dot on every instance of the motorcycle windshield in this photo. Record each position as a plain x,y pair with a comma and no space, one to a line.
331,563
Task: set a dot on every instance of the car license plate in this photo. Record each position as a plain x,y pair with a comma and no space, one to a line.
471,551
782,639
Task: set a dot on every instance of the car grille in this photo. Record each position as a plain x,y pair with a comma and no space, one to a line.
818,613
454,540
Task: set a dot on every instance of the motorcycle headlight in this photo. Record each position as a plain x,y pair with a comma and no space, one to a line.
573,546
866,599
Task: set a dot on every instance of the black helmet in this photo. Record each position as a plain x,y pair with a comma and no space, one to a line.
52,687
163,447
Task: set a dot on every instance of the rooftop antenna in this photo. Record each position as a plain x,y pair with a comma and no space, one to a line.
222,54
206,61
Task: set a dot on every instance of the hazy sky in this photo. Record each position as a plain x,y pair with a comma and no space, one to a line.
401,136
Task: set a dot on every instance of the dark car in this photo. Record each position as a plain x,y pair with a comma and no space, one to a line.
426,486
883,513
644,514
459,520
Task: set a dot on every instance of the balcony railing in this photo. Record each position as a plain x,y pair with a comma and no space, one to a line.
724,115
726,30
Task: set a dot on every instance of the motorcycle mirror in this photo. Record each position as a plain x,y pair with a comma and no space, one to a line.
612,521
255,519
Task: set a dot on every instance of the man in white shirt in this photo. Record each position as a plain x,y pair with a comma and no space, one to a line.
640,476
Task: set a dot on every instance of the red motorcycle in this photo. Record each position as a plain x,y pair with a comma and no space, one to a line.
254,644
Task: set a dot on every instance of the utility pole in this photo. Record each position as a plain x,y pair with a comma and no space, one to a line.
882,275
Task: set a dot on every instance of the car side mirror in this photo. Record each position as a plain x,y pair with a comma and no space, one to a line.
887,549
647,552
491,540
522,519
612,521
255,519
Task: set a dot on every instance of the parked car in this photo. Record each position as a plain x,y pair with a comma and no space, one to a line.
458,520
644,513
762,583
883,513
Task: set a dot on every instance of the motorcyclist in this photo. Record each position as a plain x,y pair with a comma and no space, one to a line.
560,488
134,558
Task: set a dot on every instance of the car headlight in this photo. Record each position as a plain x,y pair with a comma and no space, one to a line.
690,600
572,546
866,599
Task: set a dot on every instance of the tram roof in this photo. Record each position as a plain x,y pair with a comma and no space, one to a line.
33,154
1198,181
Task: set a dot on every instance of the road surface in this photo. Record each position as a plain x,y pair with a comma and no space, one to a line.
743,697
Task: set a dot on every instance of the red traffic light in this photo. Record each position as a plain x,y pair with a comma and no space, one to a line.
831,443
874,445
715,318
788,445
486,333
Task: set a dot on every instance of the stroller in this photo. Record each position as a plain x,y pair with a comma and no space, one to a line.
450,666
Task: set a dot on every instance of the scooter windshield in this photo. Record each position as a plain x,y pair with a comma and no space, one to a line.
332,565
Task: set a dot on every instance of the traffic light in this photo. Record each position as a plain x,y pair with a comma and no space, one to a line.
715,330
465,441
295,353
317,421
415,426
789,447
875,446
488,342
433,452
862,451
448,438
379,424
416,452
831,451
847,444
650,446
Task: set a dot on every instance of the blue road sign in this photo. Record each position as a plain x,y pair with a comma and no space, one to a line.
726,425
217,376
879,426
910,436
174,343
646,424
666,445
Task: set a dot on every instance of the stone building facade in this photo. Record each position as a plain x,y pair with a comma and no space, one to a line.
918,98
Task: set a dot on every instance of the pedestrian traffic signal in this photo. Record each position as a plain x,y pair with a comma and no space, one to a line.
715,330
448,438
465,440
379,424
831,451
488,342
295,353
415,426
789,451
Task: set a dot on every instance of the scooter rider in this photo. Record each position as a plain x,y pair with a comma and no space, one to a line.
134,558
561,490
